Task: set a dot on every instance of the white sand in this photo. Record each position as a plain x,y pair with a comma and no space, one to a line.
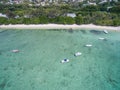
59,26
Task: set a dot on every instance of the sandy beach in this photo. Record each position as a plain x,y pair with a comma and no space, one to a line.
59,26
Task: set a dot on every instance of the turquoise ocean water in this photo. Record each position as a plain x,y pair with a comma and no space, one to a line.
37,66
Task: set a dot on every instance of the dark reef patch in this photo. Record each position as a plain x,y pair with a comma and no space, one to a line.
83,31
6,68
55,30
3,31
3,84
70,30
96,32
112,82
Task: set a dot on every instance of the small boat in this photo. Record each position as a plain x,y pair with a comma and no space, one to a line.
78,54
105,31
65,61
15,51
88,45
100,38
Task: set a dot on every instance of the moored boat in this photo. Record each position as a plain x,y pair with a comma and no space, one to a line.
100,38
105,31
15,51
78,54
65,60
88,45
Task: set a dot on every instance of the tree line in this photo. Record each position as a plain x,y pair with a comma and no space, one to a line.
99,15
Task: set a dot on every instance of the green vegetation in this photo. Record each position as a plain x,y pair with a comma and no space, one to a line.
103,14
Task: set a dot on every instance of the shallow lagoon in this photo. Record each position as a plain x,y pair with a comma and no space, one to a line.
37,66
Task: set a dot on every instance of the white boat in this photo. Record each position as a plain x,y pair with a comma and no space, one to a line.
88,45
105,31
15,51
78,54
65,60
100,38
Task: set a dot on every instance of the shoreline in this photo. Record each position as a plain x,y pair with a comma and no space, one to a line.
59,26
